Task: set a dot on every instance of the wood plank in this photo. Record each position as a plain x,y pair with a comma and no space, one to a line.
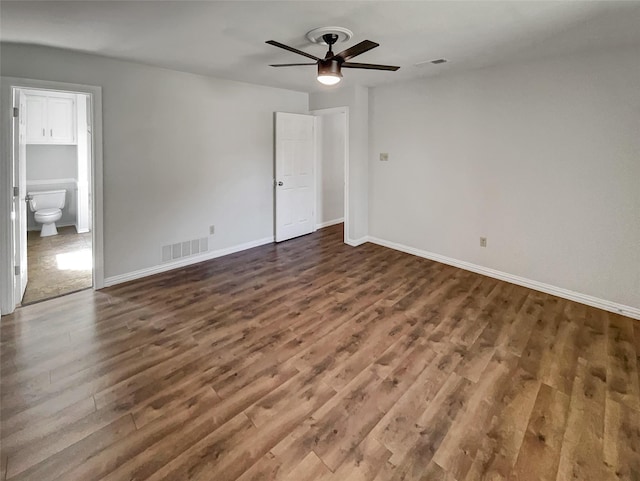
431,427
135,456
463,439
622,370
266,469
344,428
396,428
583,440
248,451
621,441
201,460
311,359
502,438
363,463
29,433
540,451
311,468
63,464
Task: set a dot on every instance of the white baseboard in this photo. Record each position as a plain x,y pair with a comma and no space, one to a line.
629,311
330,222
357,242
186,261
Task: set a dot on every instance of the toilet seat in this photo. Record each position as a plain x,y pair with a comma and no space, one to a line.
48,212
47,215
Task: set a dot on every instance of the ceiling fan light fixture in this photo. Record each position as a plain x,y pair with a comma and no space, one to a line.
328,79
329,72
329,67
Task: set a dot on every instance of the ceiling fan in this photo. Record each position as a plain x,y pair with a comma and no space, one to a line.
330,67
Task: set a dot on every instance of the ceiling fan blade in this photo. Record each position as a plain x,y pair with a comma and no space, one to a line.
370,66
357,49
291,49
291,64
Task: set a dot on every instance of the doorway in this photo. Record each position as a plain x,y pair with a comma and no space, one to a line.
332,153
56,130
55,176
311,172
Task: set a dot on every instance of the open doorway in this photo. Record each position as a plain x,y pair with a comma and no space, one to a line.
51,170
54,155
332,150
311,171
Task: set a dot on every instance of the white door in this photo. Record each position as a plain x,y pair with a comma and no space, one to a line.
20,204
36,112
295,180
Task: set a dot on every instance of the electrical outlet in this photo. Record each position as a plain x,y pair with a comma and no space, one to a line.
212,229
483,242
384,157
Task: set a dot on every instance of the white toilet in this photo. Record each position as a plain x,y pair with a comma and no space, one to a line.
47,207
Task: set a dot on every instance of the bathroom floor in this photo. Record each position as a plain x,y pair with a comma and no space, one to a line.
58,264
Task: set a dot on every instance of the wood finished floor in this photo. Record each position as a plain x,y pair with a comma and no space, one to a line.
312,360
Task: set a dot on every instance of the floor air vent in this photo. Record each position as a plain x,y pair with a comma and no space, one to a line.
184,249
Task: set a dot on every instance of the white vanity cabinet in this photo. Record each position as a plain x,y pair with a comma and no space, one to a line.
51,118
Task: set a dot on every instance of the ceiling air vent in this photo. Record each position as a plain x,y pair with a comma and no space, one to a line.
427,62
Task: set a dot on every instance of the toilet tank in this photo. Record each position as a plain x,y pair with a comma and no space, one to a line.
48,199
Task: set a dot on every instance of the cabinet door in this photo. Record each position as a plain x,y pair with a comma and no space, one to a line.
36,119
61,121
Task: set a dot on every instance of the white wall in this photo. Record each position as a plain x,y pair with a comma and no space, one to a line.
45,162
542,158
181,152
356,98
330,168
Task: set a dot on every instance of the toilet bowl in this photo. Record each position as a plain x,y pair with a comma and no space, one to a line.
47,208
48,219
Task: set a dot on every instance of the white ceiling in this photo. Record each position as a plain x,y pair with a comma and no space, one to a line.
226,39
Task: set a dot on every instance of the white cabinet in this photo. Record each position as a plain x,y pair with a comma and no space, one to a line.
36,118
61,120
51,118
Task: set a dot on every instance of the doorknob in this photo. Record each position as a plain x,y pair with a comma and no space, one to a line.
280,183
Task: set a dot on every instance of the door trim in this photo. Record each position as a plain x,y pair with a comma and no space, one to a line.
332,111
7,261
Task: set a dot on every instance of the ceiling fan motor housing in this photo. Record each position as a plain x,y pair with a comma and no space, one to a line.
329,67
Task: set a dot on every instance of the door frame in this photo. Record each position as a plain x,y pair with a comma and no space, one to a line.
8,299
333,111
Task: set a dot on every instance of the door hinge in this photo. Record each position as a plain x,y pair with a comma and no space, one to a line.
16,111
16,270
16,191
